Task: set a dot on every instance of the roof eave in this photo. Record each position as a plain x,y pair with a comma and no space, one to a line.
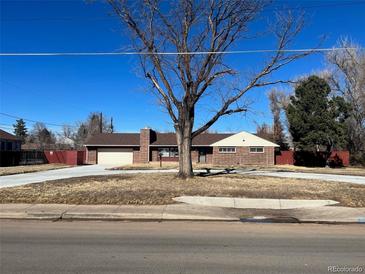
109,145
176,145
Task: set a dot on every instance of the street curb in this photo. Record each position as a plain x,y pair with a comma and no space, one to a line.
22,216
293,220
266,220
108,217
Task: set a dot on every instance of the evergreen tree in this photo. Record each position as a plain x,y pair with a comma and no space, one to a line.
20,129
316,122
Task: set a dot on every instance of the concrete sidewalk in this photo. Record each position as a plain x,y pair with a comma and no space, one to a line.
116,212
178,212
251,203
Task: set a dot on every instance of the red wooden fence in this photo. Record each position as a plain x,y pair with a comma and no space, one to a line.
342,155
287,157
68,157
284,158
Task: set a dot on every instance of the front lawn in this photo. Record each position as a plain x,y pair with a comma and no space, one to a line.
356,171
159,189
10,170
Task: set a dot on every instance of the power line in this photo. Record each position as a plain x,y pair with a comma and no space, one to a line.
6,126
169,53
34,121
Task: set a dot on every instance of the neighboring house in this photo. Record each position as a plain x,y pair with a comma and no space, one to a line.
241,148
31,146
10,147
65,141
9,142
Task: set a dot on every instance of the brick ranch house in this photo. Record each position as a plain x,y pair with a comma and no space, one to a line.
242,148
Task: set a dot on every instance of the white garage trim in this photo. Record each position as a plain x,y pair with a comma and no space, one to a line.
115,156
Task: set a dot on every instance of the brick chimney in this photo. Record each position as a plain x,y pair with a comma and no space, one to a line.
144,145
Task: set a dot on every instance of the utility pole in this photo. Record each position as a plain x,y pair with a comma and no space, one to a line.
111,125
101,123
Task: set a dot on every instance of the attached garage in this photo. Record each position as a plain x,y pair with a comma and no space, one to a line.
115,156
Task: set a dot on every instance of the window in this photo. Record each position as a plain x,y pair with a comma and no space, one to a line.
227,150
163,152
168,152
17,146
256,149
174,152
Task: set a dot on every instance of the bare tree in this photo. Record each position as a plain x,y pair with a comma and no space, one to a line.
277,104
265,131
67,132
94,124
41,135
201,32
347,77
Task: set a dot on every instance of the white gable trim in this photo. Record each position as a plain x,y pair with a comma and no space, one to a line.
244,139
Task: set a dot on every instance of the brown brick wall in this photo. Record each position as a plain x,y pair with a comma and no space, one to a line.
154,154
244,157
194,156
209,159
144,142
136,156
91,155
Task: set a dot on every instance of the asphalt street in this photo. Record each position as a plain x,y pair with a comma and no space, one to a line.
178,247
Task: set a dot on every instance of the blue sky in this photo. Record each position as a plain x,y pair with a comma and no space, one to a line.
63,90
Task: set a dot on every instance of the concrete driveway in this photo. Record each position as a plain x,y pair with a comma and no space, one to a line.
64,173
92,170
311,176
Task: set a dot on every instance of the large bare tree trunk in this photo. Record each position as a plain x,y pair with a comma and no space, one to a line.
184,140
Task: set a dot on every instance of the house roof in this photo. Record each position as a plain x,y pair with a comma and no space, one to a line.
204,139
157,139
114,139
8,136
244,139
169,139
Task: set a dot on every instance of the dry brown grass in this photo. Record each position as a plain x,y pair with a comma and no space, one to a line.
10,170
158,189
173,165
156,165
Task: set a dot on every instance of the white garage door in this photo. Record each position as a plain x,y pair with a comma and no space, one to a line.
115,156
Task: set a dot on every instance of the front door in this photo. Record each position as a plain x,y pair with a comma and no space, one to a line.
202,156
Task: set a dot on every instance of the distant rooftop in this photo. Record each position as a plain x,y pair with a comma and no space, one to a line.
8,136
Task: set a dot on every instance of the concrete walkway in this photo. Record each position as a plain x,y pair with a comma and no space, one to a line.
310,176
245,203
177,212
